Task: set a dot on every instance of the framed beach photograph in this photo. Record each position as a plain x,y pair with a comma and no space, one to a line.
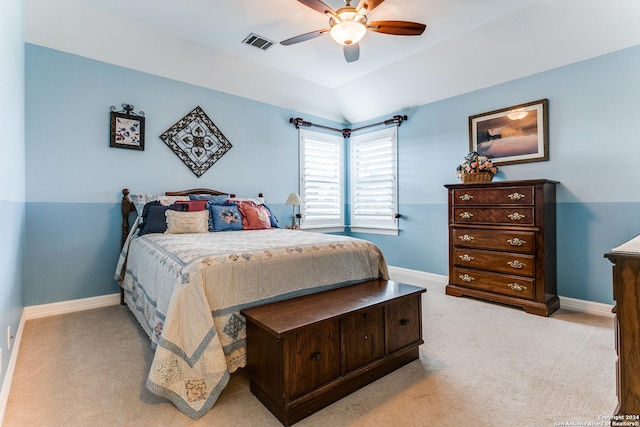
515,134
127,128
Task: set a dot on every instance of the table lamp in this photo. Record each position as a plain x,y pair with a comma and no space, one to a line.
294,200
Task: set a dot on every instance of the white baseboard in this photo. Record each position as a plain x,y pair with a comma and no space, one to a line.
399,273
573,304
589,307
64,307
8,378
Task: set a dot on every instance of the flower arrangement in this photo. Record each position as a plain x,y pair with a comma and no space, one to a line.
476,164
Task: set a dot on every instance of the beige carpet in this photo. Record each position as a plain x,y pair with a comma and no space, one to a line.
482,364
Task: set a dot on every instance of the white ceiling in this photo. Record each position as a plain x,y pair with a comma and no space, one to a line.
468,45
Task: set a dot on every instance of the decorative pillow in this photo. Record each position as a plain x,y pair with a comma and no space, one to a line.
154,219
225,218
216,200
187,222
139,200
194,205
254,217
272,218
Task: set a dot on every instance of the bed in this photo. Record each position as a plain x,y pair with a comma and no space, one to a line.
186,289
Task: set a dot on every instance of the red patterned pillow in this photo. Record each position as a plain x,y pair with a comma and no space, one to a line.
254,217
193,205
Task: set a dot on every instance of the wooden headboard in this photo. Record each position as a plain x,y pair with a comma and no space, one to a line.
197,191
127,205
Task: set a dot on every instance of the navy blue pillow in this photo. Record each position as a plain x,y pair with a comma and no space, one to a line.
225,218
216,200
154,219
272,218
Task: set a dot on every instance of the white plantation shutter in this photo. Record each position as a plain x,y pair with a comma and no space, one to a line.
374,187
322,180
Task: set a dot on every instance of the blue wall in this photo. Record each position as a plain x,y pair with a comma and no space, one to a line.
12,185
73,177
594,140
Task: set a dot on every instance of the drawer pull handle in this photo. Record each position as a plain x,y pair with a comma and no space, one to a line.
466,278
466,215
516,242
516,264
466,197
466,257
404,322
316,356
517,287
516,196
516,216
466,238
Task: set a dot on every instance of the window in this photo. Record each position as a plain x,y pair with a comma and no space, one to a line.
373,183
322,181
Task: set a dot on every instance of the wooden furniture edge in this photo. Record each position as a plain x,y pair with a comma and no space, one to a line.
626,293
511,183
532,307
343,294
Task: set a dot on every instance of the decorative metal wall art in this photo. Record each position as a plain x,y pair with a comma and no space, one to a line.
196,141
127,128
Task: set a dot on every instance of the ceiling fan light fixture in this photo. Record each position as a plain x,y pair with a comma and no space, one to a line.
348,32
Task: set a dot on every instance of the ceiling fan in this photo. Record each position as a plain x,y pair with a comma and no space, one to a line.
348,25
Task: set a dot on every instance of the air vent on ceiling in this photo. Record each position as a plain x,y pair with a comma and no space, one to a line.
258,41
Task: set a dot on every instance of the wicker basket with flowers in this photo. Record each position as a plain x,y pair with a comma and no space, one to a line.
476,168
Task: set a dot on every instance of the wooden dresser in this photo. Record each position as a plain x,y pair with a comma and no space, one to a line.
502,243
626,293
305,353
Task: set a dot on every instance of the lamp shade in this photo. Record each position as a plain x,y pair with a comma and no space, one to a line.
293,199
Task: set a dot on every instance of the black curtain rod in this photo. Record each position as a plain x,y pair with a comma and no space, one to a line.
346,133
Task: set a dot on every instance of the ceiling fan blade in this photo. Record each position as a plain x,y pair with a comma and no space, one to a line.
398,28
319,6
368,5
351,52
303,37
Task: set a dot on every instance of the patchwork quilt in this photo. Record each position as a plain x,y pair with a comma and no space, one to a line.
187,290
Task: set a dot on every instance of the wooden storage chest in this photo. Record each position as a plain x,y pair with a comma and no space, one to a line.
305,353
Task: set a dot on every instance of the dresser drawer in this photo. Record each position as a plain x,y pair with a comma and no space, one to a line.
502,240
363,337
503,262
494,196
517,286
314,357
404,325
517,215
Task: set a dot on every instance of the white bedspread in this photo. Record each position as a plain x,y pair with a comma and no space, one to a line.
187,290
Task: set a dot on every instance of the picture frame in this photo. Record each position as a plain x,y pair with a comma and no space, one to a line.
127,128
517,134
